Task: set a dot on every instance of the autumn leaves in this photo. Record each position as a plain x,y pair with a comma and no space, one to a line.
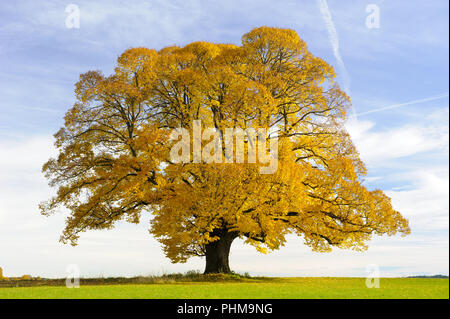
217,139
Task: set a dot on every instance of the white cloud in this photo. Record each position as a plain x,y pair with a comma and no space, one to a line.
427,203
377,146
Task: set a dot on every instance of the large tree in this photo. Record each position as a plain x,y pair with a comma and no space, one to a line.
114,147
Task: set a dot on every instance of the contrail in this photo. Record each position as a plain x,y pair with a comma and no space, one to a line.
394,106
334,40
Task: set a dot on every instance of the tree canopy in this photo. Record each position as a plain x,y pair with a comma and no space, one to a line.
114,164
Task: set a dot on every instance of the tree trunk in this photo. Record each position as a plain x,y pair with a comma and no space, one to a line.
217,252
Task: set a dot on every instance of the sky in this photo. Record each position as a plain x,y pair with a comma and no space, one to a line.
394,67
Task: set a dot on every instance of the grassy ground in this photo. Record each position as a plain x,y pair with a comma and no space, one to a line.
277,288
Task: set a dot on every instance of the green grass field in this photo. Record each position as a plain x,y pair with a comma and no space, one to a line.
277,288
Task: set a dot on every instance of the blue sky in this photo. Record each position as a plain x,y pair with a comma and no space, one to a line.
397,76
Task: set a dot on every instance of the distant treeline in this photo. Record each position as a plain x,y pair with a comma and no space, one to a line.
423,276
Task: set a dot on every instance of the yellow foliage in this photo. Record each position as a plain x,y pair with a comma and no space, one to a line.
113,161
